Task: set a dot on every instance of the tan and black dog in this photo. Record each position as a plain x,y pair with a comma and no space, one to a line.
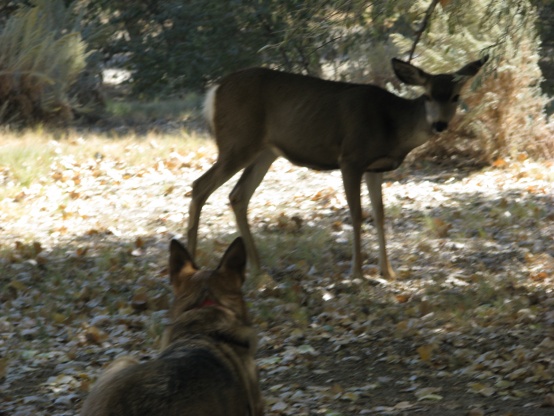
206,367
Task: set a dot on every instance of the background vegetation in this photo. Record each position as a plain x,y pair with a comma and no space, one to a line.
54,54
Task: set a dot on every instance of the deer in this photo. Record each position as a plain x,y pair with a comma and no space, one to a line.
258,114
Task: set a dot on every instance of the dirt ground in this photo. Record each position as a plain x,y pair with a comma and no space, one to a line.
466,329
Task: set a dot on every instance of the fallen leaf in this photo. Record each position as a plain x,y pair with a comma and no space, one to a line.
59,318
350,396
547,402
279,406
95,335
403,405
17,285
425,352
402,298
139,301
434,397
482,389
428,393
3,367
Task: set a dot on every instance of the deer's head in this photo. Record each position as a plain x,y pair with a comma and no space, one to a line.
442,91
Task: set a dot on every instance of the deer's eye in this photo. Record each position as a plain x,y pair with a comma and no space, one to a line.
456,98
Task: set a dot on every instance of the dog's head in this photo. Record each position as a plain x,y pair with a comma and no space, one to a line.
220,288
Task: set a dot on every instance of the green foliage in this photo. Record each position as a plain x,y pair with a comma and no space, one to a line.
186,44
136,111
173,45
39,61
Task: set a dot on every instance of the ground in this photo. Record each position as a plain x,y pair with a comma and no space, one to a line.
466,328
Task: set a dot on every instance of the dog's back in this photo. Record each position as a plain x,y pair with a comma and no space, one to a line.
207,366
183,381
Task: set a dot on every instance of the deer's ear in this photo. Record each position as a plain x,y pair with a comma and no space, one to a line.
234,259
472,68
408,73
180,261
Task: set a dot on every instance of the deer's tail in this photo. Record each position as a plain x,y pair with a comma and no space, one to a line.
209,108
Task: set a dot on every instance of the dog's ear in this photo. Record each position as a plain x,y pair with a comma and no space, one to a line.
179,261
234,259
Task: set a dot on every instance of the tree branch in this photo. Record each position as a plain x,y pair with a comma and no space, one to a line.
424,24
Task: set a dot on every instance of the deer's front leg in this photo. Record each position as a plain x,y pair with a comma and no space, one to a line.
374,181
352,180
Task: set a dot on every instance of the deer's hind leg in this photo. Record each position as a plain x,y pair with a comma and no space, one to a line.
240,198
223,169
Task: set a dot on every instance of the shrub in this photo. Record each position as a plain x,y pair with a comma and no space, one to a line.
39,61
505,108
174,45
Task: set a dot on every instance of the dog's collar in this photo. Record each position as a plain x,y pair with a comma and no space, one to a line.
207,302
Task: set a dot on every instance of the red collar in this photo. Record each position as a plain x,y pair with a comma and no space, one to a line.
207,302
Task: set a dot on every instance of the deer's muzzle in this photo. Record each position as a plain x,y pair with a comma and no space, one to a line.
439,126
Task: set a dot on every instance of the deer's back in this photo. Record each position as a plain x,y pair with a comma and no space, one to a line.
308,120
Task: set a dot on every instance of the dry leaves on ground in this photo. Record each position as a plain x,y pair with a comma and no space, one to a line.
468,328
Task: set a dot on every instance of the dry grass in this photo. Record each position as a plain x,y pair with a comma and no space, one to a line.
26,157
39,61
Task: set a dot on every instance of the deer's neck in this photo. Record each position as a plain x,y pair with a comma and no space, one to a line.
408,129
414,130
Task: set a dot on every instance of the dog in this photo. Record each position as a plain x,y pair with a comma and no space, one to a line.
207,366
